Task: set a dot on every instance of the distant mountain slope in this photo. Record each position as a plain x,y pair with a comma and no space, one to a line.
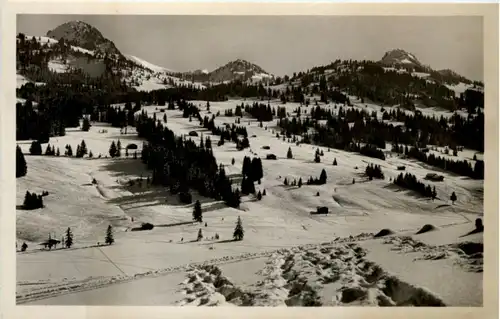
235,70
399,78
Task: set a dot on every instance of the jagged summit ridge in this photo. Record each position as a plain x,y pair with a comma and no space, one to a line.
83,35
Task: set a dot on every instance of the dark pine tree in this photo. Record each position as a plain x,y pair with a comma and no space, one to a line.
322,177
69,238
238,230
112,149
197,213
289,154
36,148
86,125
21,167
83,148
109,236
335,162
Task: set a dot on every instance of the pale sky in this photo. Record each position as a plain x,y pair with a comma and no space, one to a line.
282,44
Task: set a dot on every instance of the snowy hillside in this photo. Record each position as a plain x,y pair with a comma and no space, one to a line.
281,236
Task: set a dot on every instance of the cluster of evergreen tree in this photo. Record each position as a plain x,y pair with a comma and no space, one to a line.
32,201
40,123
81,150
262,112
229,133
311,181
115,149
318,181
418,129
252,169
50,151
374,171
410,181
463,168
181,165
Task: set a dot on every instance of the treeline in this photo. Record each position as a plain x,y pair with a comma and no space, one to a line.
374,171
410,181
463,168
264,113
340,131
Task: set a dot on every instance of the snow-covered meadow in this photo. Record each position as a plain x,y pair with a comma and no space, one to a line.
279,262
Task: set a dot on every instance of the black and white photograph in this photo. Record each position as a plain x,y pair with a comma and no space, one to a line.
249,161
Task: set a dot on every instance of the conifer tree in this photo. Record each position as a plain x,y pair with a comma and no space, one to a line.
322,177
21,166
317,158
200,235
86,125
36,148
109,236
300,182
197,213
112,149
83,148
259,195
289,154
264,192
91,154
69,238
232,161
238,230
58,153
70,151
335,162
78,151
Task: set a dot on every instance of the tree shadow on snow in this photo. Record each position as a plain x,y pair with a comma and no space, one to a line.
126,166
408,192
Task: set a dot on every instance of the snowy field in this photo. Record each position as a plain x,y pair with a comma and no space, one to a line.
283,261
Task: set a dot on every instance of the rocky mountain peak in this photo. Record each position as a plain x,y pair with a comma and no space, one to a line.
84,35
400,57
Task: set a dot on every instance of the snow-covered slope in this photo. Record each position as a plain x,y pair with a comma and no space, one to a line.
273,227
147,65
